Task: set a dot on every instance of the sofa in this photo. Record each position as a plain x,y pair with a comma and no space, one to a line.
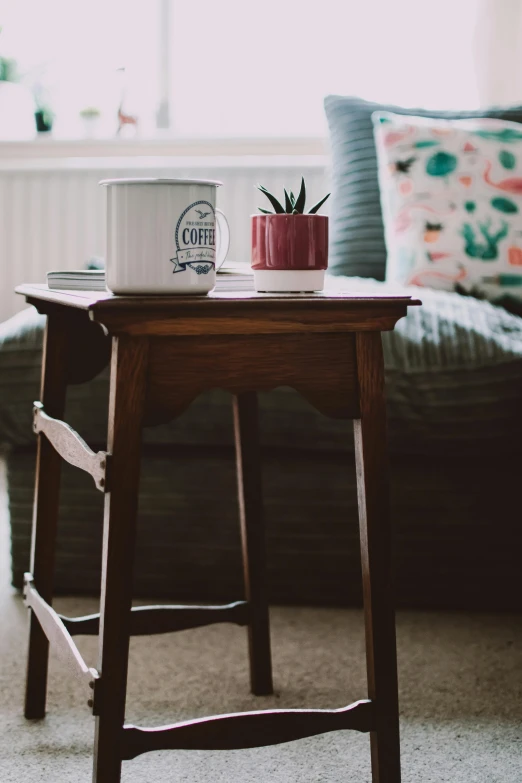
454,382
454,377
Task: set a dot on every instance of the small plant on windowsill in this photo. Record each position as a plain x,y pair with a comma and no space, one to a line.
91,118
43,114
289,246
43,118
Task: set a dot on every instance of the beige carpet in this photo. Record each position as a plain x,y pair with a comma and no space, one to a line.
460,682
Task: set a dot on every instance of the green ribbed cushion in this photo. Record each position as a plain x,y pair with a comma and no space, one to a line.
453,372
357,244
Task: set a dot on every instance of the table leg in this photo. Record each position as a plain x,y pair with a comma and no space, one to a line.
127,396
246,427
375,532
45,511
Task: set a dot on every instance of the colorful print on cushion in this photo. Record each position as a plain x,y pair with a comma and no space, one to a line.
451,194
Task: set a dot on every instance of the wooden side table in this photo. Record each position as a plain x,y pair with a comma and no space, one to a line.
163,353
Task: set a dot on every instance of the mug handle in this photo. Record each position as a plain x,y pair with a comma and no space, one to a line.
223,237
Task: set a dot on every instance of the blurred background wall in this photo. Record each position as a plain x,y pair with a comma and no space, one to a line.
221,90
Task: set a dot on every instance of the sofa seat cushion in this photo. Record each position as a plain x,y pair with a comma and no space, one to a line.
454,374
453,370
457,540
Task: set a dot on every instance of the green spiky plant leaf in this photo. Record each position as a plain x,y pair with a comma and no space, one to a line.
301,199
275,203
318,206
293,205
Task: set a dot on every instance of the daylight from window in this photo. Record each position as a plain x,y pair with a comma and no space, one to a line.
112,68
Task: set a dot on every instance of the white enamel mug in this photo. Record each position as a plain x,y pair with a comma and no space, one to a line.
162,236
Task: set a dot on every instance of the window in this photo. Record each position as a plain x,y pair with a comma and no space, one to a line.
235,67
69,54
257,69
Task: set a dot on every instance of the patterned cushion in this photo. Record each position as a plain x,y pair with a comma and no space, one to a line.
451,193
357,244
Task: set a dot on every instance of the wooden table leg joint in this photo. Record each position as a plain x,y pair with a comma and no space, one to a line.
95,699
71,447
55,631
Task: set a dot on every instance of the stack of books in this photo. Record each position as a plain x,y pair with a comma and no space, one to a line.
235,276
232,277
77,280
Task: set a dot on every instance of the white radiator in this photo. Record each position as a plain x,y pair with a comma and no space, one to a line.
52,215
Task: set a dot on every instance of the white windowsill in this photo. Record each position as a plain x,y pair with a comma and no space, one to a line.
52,154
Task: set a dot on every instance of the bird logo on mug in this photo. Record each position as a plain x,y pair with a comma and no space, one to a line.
196,239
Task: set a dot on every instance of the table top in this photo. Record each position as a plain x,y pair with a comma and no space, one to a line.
226,312
105,300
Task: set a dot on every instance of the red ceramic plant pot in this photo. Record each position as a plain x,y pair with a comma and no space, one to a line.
289,252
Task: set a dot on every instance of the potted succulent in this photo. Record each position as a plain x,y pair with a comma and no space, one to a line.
289,246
